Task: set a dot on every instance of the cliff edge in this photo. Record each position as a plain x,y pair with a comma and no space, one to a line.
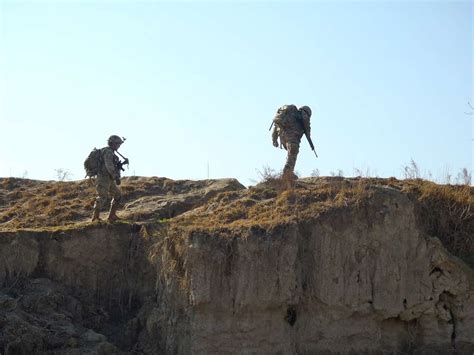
330,265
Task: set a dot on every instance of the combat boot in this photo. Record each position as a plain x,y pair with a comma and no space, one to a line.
96,215
289,175
113,213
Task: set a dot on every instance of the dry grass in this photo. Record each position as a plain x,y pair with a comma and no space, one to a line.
31,204
443,211
447,212
275,202
34,204
169,251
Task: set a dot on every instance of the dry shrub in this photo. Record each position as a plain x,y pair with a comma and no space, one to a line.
412,171
268,174
169,251
447,212
276,180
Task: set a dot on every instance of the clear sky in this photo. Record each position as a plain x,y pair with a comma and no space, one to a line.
193,86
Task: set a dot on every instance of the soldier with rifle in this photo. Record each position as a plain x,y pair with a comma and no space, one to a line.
108,178
290,124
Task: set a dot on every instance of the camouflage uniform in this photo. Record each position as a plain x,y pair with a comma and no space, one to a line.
289,125
107,179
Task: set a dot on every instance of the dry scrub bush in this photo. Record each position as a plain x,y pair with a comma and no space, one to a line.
268,174
447,212
412,171
169,252
464,177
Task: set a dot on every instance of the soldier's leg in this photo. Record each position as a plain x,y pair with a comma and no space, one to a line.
102,188
116,194
293,150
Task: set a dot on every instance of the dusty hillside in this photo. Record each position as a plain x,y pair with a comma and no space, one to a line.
32,204
329,265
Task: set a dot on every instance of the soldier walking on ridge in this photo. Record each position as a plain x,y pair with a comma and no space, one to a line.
108,177
290,125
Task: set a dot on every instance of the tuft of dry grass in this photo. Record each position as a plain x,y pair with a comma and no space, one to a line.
447,212
169,251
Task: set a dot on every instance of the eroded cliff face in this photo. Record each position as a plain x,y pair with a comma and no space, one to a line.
361,279
62,289
353,277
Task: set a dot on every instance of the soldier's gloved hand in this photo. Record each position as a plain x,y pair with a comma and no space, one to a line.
275,144
117,181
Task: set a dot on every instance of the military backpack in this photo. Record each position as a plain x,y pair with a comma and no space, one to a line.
93,162
288,116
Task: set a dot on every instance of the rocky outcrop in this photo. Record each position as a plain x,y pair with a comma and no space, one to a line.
359,277
175,198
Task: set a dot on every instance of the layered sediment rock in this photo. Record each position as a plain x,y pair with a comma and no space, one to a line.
357,280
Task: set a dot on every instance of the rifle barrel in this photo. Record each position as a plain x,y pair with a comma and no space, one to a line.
120,154
310,143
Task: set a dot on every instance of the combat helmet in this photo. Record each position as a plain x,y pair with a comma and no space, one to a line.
114,140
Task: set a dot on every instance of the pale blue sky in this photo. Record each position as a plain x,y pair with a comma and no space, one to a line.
197,83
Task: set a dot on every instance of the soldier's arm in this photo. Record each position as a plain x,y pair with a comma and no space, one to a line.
307,125
109,164
275,136
276,121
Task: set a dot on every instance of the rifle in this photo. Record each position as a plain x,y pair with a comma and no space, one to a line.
310,143
308,138
120,164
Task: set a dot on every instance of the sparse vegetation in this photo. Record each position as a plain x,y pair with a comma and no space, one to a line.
340,172
63,174
412,171
32,204
447,212
267,174
267,205
464,177
443,211
364,172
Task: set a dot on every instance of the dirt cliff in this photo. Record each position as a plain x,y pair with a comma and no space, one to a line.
329,265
